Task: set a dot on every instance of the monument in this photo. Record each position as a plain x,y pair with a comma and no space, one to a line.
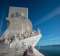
20,34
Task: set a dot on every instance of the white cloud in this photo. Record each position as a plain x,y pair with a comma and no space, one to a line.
49,16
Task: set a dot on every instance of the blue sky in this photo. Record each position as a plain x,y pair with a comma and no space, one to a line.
44,14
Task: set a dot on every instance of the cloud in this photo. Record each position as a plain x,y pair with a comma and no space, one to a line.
56,38
49,16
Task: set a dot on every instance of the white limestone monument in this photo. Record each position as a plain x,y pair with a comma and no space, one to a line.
19,33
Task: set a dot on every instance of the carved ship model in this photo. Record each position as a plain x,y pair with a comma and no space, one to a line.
19,33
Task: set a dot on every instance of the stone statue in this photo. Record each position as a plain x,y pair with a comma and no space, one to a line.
38,30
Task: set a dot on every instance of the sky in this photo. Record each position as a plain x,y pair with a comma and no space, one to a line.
44,14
